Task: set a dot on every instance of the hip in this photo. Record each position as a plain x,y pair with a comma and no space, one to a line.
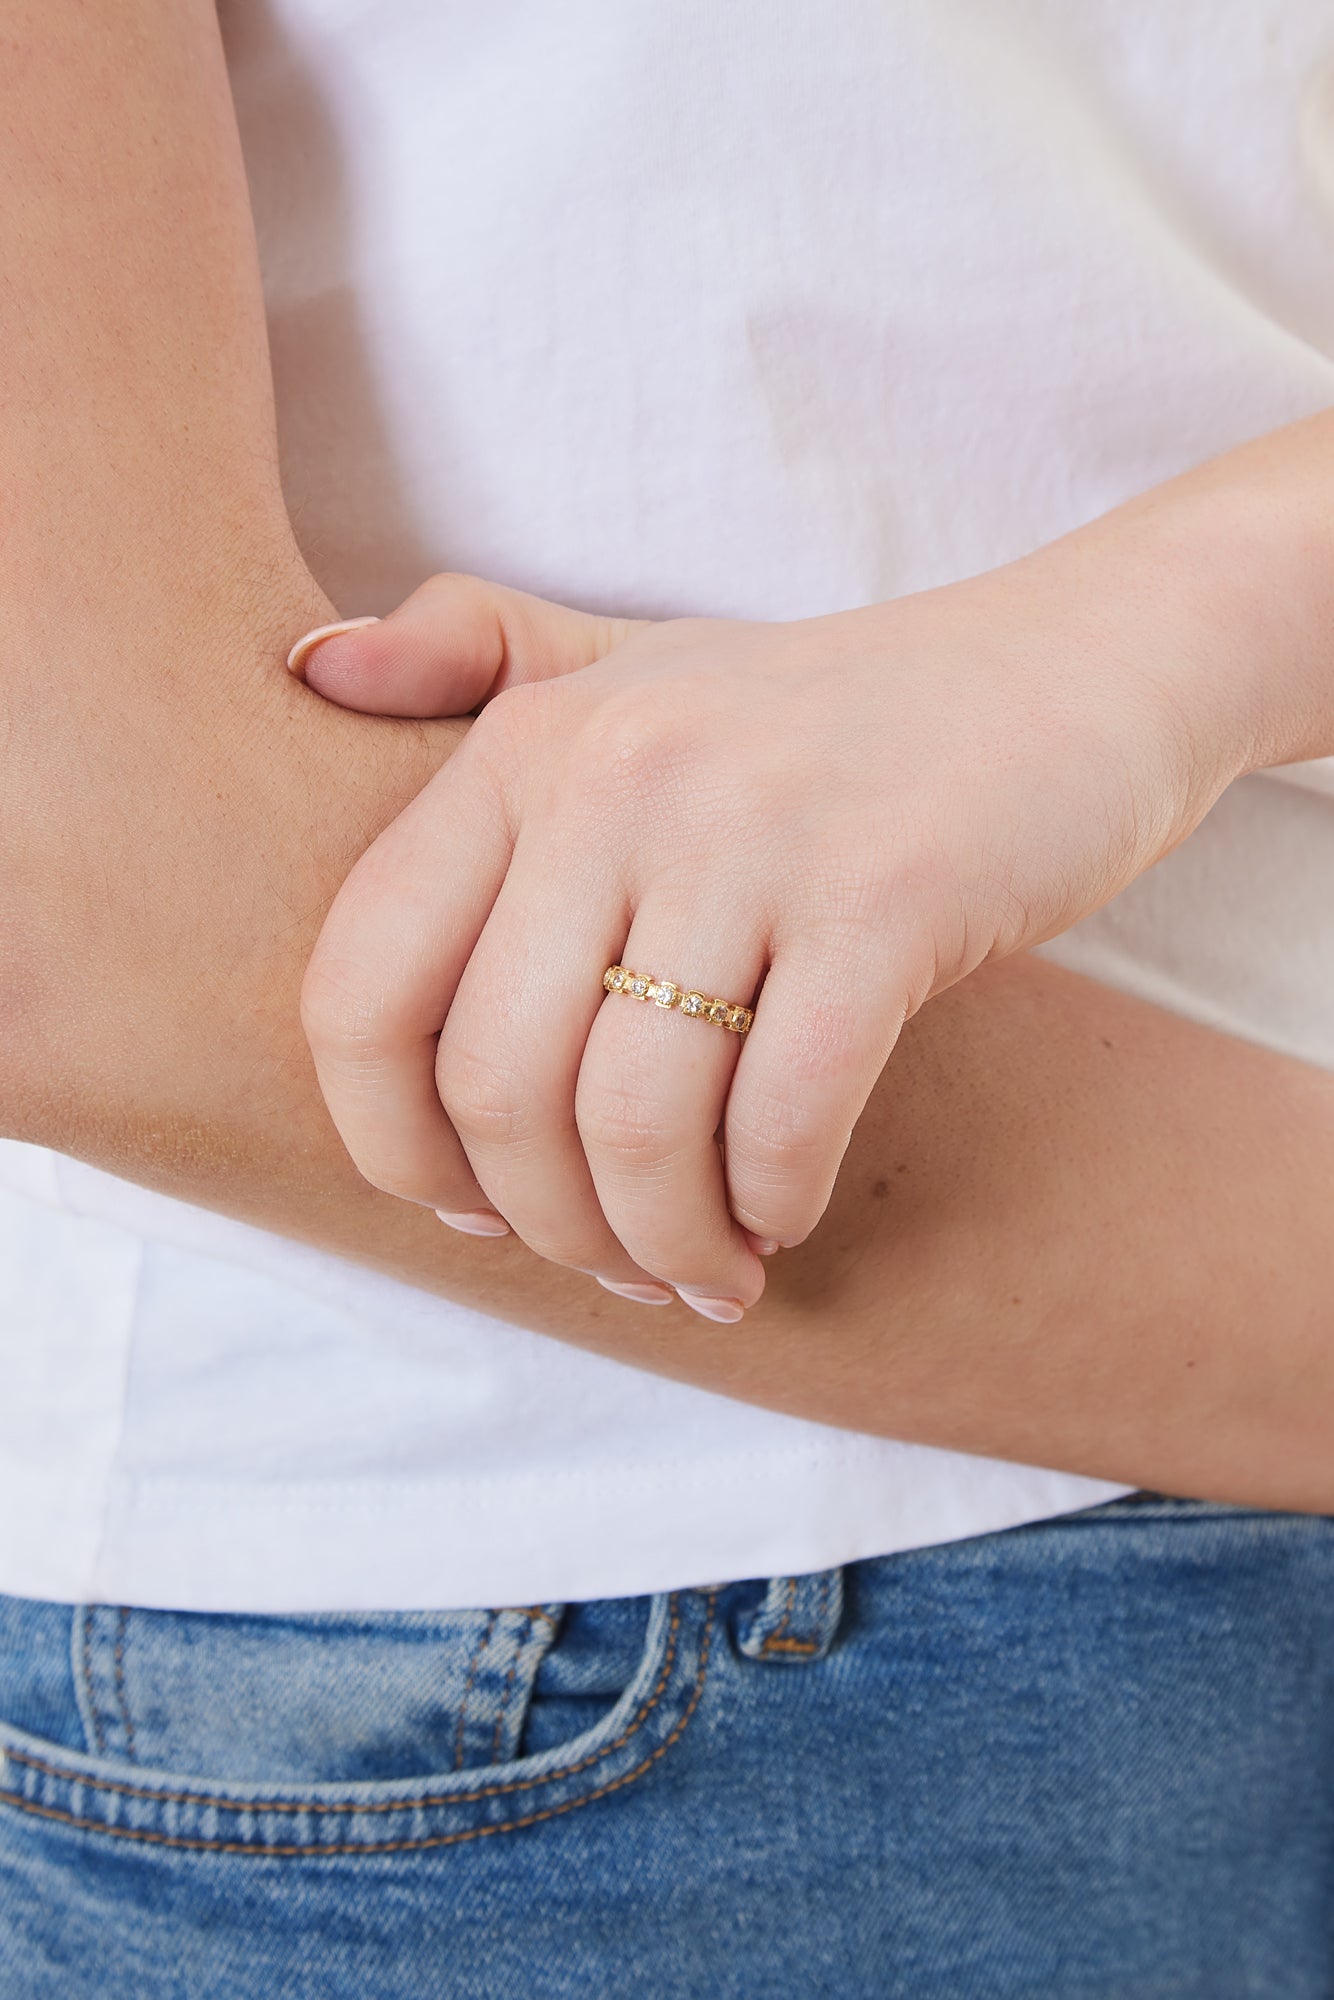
1093,1755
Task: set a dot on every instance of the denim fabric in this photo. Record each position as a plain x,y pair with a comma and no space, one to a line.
1092,1757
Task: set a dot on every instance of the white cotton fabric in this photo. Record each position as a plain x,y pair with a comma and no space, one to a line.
666,306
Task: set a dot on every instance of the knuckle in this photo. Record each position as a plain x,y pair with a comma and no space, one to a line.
621,1124
520,708
341,1014
779,1170
815,1056
480,1092
777,1137
780,1166
636,748
453,593
500,739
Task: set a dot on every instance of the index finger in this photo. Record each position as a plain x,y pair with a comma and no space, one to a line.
383,975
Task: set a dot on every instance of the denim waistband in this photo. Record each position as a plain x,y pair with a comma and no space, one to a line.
346,1734
308,1735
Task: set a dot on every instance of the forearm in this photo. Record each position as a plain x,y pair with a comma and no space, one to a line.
1227,572
175,818
138,461
1070,1229
148,574
1078,1231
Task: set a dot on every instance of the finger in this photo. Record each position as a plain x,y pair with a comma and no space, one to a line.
384,971
650,1098
511,1049
824,1028
450,646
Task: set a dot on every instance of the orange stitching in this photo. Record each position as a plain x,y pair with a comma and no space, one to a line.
122,1624
274,1852
519,1645
775,1643
385,1806
473,1665
790,1646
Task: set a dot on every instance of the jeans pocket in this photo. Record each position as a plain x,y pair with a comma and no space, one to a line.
135,1781
315,1698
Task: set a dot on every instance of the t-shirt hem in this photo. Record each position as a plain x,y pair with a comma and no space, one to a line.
453,1544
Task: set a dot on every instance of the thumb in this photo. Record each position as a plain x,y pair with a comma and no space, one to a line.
450,646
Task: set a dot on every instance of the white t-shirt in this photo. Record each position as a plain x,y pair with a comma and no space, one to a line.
666,306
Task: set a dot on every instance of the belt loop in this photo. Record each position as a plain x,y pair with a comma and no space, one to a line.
798,1619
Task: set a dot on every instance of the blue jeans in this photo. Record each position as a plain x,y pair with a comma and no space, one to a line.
1091,1757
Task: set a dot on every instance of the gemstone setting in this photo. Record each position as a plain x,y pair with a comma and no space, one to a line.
665,993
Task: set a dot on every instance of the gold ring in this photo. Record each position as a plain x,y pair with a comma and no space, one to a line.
663,993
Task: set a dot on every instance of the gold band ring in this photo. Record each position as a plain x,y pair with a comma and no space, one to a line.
663,993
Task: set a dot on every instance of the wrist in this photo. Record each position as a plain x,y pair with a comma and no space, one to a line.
1237,557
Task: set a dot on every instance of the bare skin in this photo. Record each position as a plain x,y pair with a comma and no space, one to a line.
858,809
1071,1230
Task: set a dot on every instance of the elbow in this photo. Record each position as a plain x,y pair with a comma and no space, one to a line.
35,1088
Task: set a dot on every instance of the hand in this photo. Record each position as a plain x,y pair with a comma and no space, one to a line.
831,820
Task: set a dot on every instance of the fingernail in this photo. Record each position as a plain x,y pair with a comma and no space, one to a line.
643,1295
306,644
477,1222
726,1310
764,1246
